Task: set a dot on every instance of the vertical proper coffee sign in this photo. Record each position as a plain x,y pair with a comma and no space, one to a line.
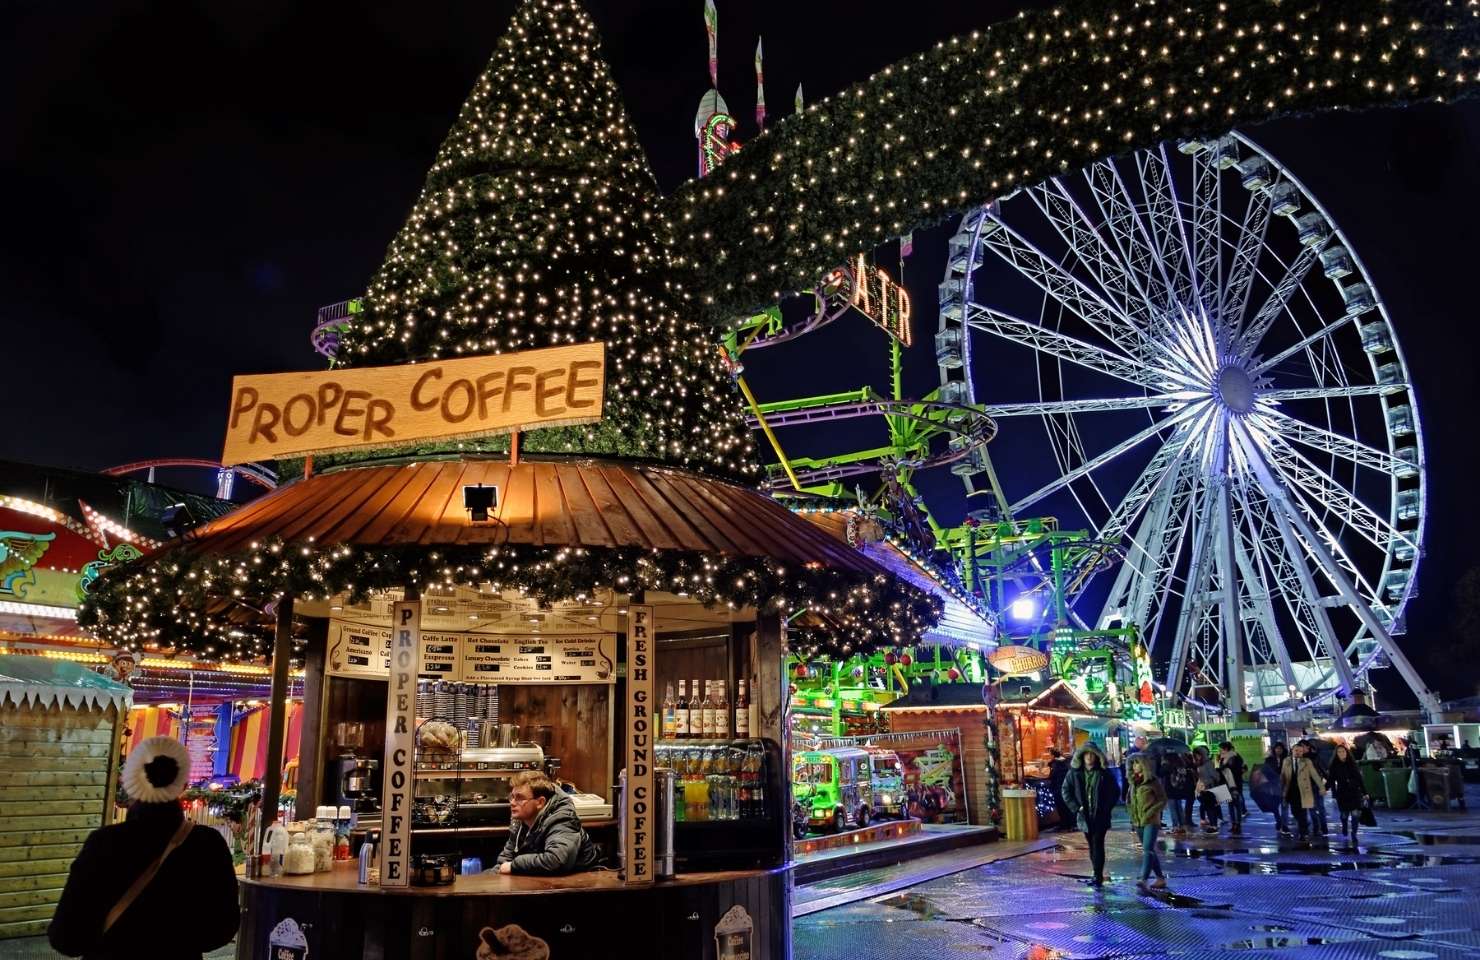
286,414
641,810
400,745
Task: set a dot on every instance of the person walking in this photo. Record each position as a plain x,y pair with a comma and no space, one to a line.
1138,747
1231,775
1181,787
1274,768
1207,779
154,885
1319,826
1090,793
1302,786
1058,769
1147,798
1349,792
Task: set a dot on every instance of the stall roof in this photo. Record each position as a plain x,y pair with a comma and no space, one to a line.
570,502
47,683
963,622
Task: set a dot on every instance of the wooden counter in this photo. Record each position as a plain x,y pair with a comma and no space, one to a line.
582,915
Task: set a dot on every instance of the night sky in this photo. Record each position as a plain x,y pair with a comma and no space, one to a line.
185,184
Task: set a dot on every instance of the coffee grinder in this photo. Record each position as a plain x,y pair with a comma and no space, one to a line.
356,778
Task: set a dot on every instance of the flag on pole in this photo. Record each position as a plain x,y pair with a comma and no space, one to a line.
906,245
799,98
760,88
711,26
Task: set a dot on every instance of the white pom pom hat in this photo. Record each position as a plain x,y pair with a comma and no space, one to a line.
136,781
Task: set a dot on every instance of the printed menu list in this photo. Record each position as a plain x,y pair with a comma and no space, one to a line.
360,651
564,659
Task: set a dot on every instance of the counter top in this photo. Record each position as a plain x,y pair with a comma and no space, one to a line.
478,831
490,883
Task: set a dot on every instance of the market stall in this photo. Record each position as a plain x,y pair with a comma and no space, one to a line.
59,734
525,508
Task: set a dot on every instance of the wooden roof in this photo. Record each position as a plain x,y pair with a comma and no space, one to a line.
586,503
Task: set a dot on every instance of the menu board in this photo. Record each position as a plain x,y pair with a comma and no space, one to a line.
441,655
589,658
361,651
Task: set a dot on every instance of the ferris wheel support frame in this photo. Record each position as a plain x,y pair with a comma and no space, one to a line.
1282,501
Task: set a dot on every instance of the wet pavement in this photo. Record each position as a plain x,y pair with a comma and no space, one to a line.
1410,892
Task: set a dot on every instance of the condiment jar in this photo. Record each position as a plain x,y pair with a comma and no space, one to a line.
299,859
323,846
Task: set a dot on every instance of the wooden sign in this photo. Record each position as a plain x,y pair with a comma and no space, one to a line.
400,745
358,651
589,658
285,414
441,656
641,735
1014,661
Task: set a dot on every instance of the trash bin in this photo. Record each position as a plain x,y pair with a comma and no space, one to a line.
1020,814
1371,777
1436,786
1395,787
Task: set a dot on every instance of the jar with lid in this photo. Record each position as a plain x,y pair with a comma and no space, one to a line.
299,859
323,846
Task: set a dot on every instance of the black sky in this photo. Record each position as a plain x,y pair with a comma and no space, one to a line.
184,183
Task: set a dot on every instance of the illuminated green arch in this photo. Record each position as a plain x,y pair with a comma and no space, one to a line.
1048,92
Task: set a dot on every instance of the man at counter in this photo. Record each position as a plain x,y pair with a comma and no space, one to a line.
546,837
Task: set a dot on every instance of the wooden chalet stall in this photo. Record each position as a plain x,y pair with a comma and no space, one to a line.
60,726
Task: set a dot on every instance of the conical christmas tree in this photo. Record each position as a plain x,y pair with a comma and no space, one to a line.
539,226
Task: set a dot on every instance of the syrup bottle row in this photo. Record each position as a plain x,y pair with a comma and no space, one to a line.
693,715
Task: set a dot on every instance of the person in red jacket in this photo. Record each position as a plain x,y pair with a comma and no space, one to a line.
188,907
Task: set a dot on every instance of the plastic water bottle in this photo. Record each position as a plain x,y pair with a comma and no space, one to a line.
276,845
367,857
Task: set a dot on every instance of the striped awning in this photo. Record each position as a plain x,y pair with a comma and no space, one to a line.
552,503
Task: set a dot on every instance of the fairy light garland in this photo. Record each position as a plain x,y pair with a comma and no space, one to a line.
167,603
1043,94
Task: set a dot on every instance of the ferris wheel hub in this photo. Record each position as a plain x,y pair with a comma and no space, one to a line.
1235,389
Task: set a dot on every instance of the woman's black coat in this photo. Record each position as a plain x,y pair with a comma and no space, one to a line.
188,909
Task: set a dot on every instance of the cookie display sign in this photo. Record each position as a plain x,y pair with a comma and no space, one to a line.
641,735
400,726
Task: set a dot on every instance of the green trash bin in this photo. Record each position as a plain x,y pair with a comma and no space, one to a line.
1395,787
1371,777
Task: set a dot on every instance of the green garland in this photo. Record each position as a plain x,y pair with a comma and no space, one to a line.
173,602
1038,96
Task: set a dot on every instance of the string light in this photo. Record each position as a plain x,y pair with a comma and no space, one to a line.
1037,96
540,225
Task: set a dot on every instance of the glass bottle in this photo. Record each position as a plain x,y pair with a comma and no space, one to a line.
721,711
742,712
696,712
711,712
670,714
682,731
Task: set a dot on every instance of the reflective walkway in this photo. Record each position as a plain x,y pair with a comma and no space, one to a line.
1409,893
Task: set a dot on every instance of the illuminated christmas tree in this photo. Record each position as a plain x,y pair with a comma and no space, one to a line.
539,226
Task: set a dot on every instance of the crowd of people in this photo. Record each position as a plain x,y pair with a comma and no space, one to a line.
1210,784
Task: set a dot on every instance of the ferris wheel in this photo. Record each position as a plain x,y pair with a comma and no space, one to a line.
1227,407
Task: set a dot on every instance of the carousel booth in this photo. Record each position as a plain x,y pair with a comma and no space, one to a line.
60,725
525,509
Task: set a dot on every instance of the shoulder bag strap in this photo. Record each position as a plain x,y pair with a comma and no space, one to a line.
142,883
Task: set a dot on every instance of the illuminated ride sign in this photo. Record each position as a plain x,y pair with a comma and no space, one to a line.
873,293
